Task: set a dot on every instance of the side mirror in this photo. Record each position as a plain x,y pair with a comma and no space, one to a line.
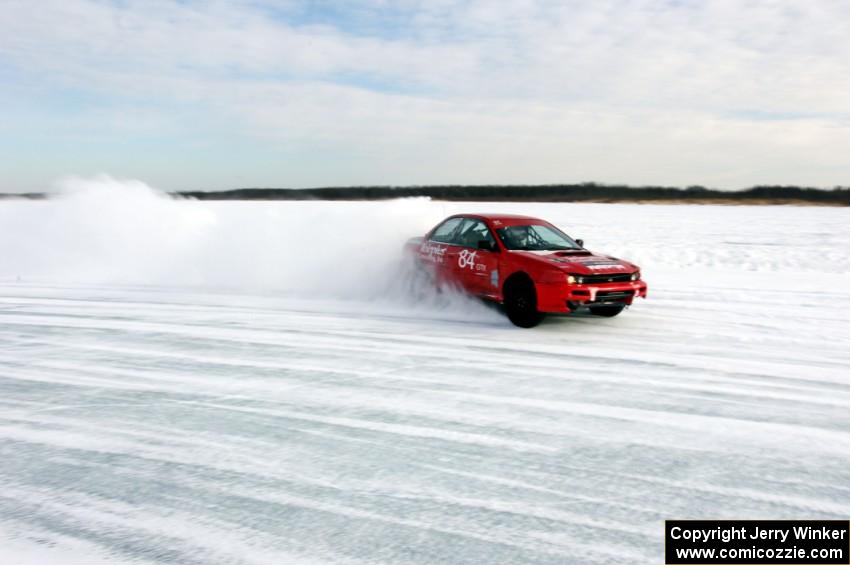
486,245
580,243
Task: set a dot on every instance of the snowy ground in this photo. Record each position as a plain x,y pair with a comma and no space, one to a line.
177,395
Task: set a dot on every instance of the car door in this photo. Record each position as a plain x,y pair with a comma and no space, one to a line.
436,251
477,267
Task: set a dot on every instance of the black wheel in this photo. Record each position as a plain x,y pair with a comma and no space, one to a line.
608,311
521,304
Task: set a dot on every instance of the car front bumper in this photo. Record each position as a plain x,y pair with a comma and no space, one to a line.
566,298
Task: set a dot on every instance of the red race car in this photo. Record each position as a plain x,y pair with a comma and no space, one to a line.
527,264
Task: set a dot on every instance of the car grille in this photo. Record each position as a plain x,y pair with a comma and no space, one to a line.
608,296
600,279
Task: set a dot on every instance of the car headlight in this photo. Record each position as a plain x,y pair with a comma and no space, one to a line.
573,279
636,276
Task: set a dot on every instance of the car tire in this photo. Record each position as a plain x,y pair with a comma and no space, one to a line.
521,304
607,311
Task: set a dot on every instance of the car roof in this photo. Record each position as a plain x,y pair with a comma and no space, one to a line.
507,219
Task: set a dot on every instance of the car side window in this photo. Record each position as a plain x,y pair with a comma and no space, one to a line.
445,231
471,232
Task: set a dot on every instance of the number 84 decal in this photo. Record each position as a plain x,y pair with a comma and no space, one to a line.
466,258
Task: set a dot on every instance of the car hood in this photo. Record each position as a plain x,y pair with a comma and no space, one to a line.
580,263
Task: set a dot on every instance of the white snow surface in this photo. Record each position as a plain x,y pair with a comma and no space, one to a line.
195,382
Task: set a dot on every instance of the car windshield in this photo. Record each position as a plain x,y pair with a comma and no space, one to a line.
535,238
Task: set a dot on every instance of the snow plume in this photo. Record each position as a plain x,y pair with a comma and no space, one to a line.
104,231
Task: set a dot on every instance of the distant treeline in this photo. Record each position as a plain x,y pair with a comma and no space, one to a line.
585,192
27,195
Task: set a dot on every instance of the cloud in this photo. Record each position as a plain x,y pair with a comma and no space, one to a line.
653,91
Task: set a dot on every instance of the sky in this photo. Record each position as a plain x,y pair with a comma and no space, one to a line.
207,94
